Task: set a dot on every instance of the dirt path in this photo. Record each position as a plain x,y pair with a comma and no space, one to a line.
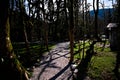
54,65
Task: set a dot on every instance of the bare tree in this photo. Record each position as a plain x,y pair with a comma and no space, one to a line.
96,9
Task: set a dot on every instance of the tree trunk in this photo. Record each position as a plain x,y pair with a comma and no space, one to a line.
117,65
96,9
9,65
22,13
71,31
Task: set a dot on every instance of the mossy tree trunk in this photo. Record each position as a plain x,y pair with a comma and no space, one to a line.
9,65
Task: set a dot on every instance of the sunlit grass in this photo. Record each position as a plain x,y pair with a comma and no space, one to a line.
81,48
102,63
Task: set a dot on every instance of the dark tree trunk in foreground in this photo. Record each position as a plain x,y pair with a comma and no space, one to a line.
71,30
10,67
117,65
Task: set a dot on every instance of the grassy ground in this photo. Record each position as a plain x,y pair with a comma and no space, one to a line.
36,51
101,66
102,63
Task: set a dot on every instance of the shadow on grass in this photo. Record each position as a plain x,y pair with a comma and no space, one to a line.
117,66
83,66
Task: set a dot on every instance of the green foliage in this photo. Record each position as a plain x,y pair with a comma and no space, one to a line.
102,63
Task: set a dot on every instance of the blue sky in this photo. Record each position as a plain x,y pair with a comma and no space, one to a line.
107,3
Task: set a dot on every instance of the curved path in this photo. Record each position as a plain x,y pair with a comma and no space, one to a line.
54,65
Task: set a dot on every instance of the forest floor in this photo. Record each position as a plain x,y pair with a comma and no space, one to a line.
54,65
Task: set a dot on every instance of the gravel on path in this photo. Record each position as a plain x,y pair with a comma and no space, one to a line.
54,65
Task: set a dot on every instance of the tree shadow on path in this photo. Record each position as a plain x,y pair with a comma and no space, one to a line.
61,72
50,62
46,65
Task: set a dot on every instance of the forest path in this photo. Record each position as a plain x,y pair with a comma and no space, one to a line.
54,65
